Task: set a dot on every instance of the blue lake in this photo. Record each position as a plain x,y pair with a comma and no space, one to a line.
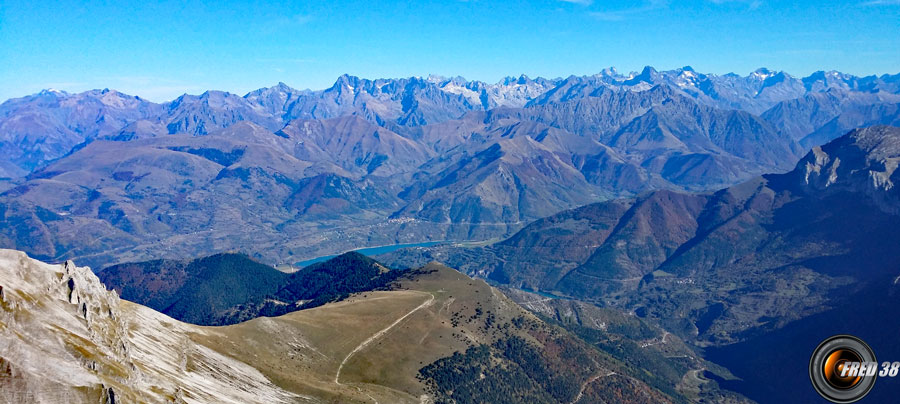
369,251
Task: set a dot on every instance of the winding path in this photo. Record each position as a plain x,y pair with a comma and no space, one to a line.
379,334
589,381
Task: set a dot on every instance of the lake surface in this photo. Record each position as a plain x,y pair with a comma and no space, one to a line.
369,251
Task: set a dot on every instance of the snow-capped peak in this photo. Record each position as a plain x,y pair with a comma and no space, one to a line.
435,78
453,87
609,72
54,92
762,73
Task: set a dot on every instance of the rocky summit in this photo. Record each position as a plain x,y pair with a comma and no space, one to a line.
65,338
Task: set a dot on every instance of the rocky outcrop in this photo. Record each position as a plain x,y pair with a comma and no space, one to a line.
863,161
64,338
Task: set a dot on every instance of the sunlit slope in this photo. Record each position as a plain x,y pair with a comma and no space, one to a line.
302,351
65,338
382,338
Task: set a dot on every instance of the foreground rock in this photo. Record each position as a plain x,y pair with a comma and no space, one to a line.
65,339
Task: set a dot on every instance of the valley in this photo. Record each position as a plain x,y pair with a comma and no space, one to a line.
284,175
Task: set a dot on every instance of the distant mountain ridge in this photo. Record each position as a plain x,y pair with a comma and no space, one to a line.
372,162
404,102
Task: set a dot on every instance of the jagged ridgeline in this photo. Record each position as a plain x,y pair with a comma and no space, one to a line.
435,336
286,175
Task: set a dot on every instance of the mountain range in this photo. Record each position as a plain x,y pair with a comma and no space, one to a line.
654,232
28,122
374,162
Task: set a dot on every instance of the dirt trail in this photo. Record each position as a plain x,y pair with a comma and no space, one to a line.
589,381
379,334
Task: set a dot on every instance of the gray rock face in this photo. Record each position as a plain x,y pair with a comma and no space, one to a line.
864,161
65,338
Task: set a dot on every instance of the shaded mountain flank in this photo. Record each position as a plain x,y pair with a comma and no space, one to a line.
775,265
720,267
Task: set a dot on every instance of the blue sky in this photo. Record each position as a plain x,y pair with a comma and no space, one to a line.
164,49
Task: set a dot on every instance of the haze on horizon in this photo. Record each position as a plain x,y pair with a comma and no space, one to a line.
159,51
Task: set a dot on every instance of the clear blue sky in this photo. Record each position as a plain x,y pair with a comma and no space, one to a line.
162,50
